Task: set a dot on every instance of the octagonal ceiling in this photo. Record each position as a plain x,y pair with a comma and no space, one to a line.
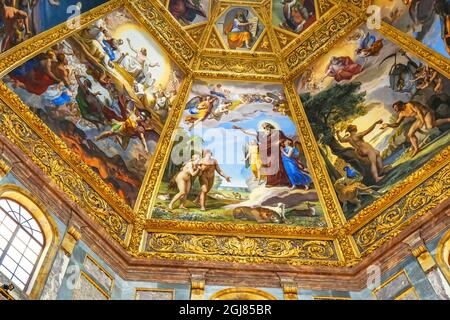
153,116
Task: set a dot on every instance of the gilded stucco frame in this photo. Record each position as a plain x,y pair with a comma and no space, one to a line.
195,52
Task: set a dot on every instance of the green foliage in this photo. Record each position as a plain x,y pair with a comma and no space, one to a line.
328,109
183,149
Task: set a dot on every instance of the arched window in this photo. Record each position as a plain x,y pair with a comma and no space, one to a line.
21,243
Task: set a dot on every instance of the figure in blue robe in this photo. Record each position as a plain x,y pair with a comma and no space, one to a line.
297,177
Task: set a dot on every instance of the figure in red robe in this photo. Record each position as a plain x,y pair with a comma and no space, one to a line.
343,68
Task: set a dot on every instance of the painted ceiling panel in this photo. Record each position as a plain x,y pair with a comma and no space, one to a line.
108,107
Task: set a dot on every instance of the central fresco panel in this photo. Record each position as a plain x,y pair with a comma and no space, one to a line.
106,91
237,158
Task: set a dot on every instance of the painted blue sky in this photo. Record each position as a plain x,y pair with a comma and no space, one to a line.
434,40
228,144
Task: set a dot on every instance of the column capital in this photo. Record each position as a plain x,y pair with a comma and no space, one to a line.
198,284
5,168
70,239
420,251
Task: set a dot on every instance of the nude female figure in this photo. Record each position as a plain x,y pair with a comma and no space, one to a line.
364,149
424,117
208,166
184,180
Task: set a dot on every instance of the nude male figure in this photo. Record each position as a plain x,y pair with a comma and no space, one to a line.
208,168
9,14
424,117
59,69
364,149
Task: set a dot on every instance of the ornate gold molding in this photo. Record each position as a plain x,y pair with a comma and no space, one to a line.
242,294
320,40
437,164
323,6
416,48
409,208
443,255
59,148
165,29
334,214
242,249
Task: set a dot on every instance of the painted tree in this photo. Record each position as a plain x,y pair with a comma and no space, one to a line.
329,110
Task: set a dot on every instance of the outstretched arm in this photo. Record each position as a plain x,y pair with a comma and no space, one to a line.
247,132
370,129
419,113
395,124
131,46
219,171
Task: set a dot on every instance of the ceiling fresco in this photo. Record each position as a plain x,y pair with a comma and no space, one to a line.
375,114
248,124
106,92
272,132
29,18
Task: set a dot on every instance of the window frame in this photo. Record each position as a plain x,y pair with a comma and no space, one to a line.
19,226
